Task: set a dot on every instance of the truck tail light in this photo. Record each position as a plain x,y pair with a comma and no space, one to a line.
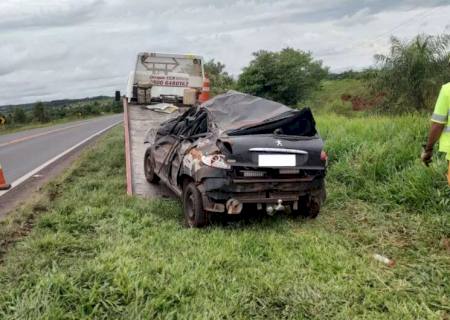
323,156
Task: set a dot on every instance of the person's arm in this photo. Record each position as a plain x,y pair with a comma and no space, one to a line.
434,135
439,120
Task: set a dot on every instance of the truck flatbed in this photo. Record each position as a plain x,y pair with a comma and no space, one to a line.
138,121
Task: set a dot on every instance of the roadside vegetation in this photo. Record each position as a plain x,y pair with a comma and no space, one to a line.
221,81
336,96
286,76
405,79
412,73
43,114
93,252
83,249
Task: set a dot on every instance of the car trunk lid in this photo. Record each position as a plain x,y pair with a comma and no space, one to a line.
272,151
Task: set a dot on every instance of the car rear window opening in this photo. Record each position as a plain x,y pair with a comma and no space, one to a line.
297,123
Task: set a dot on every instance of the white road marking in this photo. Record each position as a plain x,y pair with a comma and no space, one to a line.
56,158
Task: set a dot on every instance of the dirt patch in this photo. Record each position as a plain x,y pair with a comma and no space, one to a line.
362,103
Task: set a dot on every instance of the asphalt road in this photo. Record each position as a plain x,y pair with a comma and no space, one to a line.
23,152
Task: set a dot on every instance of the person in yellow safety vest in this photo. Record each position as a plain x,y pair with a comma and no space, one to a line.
440,128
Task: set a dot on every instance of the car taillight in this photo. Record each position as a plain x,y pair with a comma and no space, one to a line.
323,156
216,161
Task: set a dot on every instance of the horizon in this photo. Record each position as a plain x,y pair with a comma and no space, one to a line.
54,101
69,49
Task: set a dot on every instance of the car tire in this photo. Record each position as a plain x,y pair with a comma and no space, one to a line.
308,207
313,208
194,214
149,169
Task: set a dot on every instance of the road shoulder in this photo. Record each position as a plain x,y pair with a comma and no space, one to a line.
22,193
20,208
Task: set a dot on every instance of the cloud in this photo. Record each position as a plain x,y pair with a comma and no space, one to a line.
51,49
18,14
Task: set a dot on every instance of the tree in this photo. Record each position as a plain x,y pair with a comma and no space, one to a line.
60,112
221,81
287,76
39,113
117,107
413,72
9,118
19,116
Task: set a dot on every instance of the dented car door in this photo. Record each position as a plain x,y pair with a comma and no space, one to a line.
163,149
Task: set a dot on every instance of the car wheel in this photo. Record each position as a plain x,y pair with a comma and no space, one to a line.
313,208
308,207
194,215
149,169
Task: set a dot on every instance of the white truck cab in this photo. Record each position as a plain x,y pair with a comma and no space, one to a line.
160,77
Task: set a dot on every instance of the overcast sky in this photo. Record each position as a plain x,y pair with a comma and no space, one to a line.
52,49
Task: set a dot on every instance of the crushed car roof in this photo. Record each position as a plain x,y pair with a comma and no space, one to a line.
234,110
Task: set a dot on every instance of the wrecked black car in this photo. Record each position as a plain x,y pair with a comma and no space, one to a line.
237,151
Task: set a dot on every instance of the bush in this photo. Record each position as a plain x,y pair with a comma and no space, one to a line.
40,113
413,72
221,81
117,107
19,116
287,76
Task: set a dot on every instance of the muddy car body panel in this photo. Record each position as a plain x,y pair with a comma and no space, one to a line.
239,149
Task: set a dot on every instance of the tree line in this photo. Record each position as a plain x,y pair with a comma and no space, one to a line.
409,76
43,112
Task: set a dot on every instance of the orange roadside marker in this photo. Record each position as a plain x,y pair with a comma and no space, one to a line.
204,96
3,184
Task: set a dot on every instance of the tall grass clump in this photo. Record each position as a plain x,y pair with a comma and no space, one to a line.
376,159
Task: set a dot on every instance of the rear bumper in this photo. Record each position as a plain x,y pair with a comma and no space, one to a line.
217,191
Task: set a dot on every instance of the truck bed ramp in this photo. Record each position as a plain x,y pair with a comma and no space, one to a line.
138,121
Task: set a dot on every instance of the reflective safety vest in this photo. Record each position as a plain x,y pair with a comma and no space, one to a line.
441,115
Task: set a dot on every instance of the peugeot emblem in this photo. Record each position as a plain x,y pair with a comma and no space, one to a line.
279,143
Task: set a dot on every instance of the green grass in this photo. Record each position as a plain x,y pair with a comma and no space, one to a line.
96,253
